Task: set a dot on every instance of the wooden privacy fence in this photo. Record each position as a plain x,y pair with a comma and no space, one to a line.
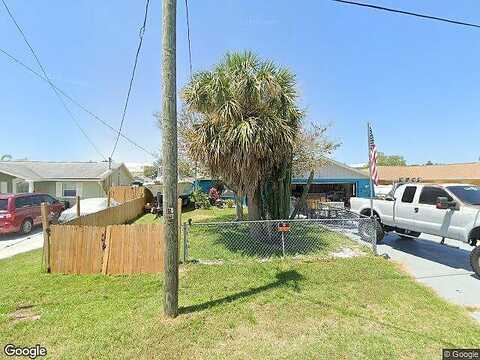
114,215
123,194
113,249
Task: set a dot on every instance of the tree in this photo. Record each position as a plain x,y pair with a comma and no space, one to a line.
150,172
187,166
248,123
390,160
6,157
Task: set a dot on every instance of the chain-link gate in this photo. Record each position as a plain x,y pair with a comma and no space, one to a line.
243,240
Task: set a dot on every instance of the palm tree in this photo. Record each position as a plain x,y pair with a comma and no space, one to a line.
6,157
247,128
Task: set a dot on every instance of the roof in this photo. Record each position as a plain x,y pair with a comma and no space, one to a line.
462,171
51,170
332,169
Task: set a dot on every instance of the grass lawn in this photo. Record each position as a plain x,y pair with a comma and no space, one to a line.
362,308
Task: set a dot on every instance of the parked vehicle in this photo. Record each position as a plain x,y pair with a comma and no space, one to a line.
446,210
87,206
21,212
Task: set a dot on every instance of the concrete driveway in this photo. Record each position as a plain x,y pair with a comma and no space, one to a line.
13,244
444,268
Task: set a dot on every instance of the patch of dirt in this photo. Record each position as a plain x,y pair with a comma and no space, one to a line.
345,253
24,313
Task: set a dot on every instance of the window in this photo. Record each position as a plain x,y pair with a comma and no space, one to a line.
22,187
69,189
37,200
409,194
48,199
468,194
3,204
430,194
23,201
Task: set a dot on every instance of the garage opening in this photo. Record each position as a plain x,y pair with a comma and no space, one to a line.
328,192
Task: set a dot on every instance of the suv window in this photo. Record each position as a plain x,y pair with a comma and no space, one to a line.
409,194
37,200
3,204
48,199
23,201
430,194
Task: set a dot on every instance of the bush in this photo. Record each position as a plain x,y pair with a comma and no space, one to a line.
229,203
200,199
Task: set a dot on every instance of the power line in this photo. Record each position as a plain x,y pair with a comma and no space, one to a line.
141,33
75,102
49,82
407,13
188,37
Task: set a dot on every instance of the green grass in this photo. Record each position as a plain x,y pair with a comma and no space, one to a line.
362,308
198,215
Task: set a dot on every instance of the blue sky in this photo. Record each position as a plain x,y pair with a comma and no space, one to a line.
415,80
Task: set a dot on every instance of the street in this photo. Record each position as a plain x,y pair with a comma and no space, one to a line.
12,244
444,268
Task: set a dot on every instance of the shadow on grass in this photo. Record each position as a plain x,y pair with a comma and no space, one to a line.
290,278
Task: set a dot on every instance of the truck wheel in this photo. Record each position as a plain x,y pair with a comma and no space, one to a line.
475,260
365,231
26,227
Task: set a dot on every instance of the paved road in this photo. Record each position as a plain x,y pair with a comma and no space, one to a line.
445,268
13,244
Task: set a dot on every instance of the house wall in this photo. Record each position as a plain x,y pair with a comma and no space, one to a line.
362,185
47,187
8,179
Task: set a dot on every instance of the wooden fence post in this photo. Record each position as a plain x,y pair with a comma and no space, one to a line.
46,236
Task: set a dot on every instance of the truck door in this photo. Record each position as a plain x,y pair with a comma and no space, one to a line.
404,210
429,219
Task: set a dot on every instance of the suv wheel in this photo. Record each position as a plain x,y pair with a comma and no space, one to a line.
475,260
27,226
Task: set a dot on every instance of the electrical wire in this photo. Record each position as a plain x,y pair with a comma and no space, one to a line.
141,33
376,7
75,102
49,81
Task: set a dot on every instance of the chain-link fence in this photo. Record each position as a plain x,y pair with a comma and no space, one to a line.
244,240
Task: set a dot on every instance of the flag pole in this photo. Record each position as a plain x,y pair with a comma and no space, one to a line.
370,168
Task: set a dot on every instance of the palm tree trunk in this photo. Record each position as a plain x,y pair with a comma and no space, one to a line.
239,206
301,201
255,205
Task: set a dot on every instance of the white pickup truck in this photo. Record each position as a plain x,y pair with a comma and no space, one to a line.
446,210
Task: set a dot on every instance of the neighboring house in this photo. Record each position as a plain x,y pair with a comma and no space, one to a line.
64,180
467,173
334,181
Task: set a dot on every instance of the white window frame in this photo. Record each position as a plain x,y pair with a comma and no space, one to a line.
72,187
3,187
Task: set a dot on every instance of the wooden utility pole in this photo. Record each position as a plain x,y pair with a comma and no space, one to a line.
169,122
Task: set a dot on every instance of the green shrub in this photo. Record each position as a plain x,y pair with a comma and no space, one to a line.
200,199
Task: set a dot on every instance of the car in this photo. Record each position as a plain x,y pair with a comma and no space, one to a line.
21,212
446,210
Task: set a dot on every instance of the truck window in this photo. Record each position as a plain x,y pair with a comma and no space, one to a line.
430,194
409,194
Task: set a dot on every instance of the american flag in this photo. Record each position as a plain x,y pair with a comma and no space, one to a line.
373,155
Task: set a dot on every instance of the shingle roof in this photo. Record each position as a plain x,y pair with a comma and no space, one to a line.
49,170
431,172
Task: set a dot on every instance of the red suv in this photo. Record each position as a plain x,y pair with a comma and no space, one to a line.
21,212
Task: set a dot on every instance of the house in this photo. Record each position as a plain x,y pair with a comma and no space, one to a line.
334,181
64,180
467,173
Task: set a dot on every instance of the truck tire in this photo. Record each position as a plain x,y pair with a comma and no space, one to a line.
475,260
365,231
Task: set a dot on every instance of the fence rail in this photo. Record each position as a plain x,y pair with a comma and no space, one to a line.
123,194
